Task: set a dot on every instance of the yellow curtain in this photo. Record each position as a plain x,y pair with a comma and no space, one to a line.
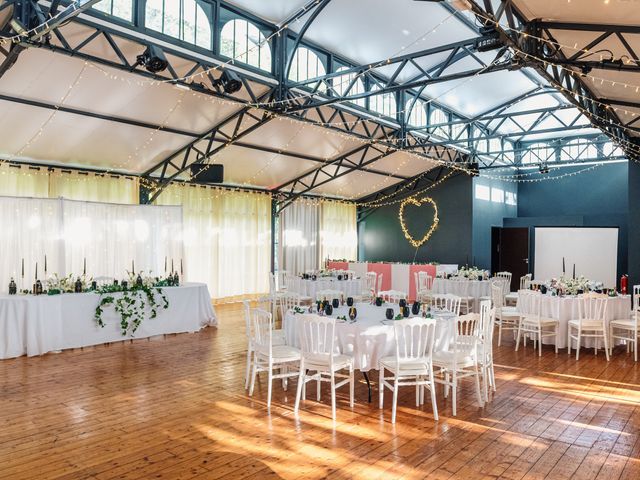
25,181
22,181
338,231
92,187
227,238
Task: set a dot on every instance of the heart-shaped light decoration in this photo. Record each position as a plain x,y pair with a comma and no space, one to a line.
434,225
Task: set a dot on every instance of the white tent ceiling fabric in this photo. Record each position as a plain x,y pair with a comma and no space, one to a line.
359,30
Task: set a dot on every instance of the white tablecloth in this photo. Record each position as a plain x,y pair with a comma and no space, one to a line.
349,288
368,339
475,288
566,308
31,325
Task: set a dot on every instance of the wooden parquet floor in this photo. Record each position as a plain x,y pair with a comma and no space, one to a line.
176,408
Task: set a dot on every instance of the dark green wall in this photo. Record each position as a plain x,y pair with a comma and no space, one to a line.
381,238
634,223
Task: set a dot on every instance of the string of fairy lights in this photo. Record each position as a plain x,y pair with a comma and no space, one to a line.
350,79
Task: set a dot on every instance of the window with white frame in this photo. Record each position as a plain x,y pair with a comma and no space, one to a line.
418,114
117,8
497,195
349,84
243,41
483,192
307,64
510,198
479,142
383,103
186,20
611,150
577,150
537,153
439,116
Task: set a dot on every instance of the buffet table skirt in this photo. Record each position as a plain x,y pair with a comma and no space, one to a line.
371,337
566,308
31,325
309,288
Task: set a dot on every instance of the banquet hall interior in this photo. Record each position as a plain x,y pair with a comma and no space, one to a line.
305,239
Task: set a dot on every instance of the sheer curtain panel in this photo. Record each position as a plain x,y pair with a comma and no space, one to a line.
299,237
339,231
227,237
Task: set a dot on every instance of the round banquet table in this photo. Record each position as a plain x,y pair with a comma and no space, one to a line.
371,336
476,288
309,288
566,308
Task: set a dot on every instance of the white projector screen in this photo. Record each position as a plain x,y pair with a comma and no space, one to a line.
594,251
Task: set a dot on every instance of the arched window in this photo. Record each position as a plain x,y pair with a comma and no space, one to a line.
187,20
459,131
537,153
306,64
243,41
342,83
117,8
418,114
578,149
436,117
383,103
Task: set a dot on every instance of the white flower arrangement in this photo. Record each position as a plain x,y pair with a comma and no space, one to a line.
472,273
571,286
67,284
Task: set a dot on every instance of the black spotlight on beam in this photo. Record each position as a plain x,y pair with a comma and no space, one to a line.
474,168
543,168
229,81
153,59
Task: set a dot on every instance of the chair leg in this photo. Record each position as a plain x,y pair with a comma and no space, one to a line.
300,387
247,373
333,396
432,389
319,381
351,387
493,376
578,343
606,344
395,399
478,392
285,382
500,332
485,382
454,389
518,337
446,385
381,386
540,341
269,385
253,376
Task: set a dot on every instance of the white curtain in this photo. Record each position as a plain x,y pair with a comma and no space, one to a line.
227,237
109,236
93,187
299,237
339,231
20,180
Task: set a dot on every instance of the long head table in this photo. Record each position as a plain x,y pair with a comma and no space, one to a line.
34,325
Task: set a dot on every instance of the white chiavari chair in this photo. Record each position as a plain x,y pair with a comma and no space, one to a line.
412,363
635,300
506,318
268,357
533,325
424,287
369,291
319,360
446,301
328,295
392,296
289,301
512,297
461,360
485,347
627,330
462,288
278,338
591,323
506,276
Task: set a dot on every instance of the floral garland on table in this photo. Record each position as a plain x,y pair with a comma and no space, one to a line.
57,285
135,300
573,286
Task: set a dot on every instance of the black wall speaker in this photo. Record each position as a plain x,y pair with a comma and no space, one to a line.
213,173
